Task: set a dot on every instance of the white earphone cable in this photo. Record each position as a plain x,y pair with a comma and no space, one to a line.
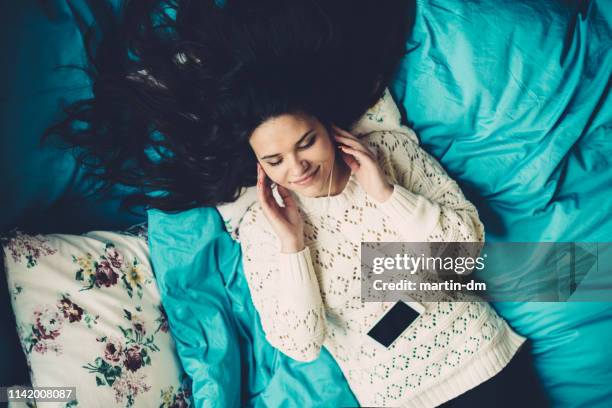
328,201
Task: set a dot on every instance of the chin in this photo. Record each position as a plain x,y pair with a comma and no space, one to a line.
312,191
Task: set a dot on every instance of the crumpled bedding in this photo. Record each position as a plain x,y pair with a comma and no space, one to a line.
513,99
218,334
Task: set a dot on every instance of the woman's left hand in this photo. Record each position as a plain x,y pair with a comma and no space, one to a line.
364,165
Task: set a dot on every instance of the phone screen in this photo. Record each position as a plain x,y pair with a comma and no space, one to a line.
393,323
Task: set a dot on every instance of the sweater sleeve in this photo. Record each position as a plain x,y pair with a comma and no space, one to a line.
285,292
426,204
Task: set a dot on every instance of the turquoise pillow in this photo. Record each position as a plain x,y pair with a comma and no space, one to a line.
513,99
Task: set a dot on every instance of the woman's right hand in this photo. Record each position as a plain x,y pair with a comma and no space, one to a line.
286,221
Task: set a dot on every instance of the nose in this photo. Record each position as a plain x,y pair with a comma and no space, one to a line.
298,167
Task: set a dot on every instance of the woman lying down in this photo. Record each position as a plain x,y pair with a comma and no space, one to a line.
221,97
302,259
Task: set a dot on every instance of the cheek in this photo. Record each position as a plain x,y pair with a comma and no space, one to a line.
324,151
272,172
277,174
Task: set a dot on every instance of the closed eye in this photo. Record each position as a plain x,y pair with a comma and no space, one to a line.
310,142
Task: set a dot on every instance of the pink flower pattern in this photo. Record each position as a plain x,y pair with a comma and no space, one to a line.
129,385
113,350
47,323
121,359
30,247
120,366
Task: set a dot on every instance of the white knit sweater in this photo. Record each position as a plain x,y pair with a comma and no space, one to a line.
311,299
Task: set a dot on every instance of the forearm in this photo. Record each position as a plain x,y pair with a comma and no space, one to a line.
418,219
286,294
300,293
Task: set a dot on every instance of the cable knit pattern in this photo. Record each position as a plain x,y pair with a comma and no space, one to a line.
312,298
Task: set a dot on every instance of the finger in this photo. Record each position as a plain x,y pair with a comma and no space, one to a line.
264,181
287,197
261,195
283,192
354,143
269,205
344,135
359,155
347,140
260,175
260,180
339,133
358,147
350,161
343,132
264,192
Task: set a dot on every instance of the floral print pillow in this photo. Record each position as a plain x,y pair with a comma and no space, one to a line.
89,316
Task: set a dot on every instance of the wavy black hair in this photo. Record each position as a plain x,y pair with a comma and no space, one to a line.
180,85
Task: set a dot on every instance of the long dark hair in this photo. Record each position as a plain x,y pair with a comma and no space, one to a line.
179,86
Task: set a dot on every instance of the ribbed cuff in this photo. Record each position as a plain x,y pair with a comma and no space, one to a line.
298,279
485,365
412,215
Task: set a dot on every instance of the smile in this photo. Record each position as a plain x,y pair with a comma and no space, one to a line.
308,179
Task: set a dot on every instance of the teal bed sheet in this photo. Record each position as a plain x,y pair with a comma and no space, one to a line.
218,334
43,188
513,99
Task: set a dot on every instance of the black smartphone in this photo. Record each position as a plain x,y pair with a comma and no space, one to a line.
393,323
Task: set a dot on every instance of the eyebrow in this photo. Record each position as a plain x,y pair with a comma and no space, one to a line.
269,156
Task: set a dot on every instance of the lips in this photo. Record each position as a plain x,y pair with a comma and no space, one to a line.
308,179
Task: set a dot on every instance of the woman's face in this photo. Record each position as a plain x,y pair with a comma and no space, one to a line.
296,152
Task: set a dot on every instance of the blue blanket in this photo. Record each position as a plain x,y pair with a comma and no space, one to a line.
218,334
513,99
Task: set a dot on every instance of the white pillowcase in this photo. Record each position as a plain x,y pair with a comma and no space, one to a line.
89,316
